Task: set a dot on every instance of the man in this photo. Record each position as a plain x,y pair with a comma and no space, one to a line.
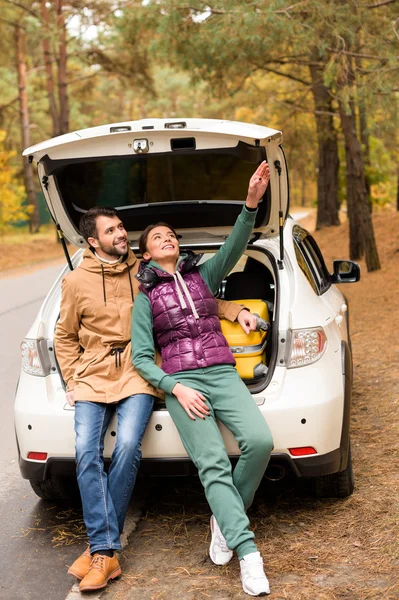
93,347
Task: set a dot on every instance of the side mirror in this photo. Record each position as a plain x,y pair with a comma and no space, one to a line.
345,271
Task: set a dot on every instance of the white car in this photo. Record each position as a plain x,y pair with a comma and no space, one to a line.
194,174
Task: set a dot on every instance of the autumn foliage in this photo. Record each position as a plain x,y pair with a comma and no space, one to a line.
12,194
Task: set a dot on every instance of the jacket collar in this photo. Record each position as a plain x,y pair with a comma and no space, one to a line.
91,263
150,273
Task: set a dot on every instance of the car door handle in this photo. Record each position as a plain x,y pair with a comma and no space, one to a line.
339,319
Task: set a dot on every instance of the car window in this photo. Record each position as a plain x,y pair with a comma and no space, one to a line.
310,260
212,183
153,179
317,259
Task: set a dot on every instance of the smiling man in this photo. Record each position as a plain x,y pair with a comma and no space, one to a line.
93,346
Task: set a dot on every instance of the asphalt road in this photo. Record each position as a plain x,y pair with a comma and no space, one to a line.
33,567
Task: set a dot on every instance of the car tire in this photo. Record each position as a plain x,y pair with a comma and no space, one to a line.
336,485
55,488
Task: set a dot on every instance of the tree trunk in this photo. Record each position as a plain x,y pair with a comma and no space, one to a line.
361,229
356,248
361,226
365,140
328,162
62,70
48,63
25,128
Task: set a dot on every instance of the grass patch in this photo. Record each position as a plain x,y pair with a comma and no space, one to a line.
21,249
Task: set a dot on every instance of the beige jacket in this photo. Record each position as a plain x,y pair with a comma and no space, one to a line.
95,318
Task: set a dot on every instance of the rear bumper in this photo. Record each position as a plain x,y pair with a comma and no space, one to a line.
311,466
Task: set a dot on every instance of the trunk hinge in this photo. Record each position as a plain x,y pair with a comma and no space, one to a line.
58,227
277,164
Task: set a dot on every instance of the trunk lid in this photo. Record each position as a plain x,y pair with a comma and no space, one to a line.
191,173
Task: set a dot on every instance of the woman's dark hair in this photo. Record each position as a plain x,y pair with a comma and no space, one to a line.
144,236
88,221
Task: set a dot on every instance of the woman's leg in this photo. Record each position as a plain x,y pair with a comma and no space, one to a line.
235,407
204,444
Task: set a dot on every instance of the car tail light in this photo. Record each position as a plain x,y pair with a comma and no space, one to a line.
307,346
303,451
37,455
33,354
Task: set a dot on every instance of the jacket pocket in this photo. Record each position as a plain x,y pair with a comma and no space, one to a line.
98,366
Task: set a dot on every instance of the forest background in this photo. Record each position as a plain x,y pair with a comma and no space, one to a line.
324,72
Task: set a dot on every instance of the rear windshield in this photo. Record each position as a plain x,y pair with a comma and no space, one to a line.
204,180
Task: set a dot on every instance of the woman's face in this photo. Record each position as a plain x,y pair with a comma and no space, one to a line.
162,245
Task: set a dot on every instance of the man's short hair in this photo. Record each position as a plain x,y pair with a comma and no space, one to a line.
88,221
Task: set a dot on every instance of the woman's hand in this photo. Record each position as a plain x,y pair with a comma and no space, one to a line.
257,185
191,400
247,320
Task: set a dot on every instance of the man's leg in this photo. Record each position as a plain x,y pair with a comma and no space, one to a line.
91,422
133,416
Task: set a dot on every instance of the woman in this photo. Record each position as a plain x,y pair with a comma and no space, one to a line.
199,380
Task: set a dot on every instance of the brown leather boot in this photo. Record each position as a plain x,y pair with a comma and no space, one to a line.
81,566
102,569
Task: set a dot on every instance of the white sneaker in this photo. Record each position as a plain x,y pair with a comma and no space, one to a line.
253,578
218,551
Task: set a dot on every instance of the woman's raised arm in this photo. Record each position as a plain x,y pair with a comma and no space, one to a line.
219,266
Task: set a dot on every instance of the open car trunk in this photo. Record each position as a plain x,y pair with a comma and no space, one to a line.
192,174
253,282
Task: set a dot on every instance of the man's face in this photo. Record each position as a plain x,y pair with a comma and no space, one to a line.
111,241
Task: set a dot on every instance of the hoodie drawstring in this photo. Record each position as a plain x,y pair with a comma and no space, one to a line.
105,295
179,278
117,353
130,281
180,295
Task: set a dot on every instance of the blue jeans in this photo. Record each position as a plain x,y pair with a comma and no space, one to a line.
105,498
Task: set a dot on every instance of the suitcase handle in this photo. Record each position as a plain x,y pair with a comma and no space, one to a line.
261,323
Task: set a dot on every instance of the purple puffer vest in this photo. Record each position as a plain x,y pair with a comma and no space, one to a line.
186,342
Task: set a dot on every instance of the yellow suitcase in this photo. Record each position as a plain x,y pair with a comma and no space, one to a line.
249,350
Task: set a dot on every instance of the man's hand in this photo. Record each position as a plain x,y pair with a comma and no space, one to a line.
247,321
257,185
191,400
70,398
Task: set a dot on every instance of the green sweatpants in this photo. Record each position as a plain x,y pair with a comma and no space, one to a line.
229,493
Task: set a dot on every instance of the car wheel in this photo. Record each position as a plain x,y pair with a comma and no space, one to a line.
55,488
336,485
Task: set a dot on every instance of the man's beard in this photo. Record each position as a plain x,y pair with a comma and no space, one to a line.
112,250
